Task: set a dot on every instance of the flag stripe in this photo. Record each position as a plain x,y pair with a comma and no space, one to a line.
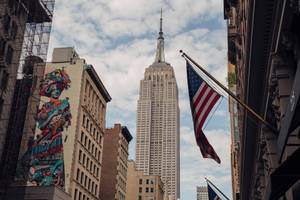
200,92
204,109
197,105
206,102
209,109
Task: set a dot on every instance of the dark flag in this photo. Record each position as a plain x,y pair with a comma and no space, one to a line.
202,100
212,194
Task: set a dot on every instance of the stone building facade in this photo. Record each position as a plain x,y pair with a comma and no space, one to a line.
143,187
115,156
83,139
263,44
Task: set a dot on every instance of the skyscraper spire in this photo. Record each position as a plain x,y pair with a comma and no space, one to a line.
160,55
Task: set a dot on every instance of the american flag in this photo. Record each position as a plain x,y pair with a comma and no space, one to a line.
202,100
212,194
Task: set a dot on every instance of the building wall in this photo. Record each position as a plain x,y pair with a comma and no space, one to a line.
202,193
235,140
157,142
114,170
10,49
83,138
266,62
143,187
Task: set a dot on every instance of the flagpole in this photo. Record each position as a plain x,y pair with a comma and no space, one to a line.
230,93
216,188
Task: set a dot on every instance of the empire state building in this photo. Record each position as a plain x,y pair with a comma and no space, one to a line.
157,128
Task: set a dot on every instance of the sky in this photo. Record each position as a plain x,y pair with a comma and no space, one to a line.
118,37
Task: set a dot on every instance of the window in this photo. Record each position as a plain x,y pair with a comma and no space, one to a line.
85,140
4,80
141,181
2,46
147,181
79,198
152,189
83,120
9,54
140,197
98,155
81,178
83,197
96,188
147,189
87,124
92,187
89,185
152,182
77,174
85,180
83,159
75,194
79,156
14,30
89,145
140,189
81,137
87,162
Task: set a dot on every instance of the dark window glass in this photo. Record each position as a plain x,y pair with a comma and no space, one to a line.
152,189
147,189
141,181
2,46
77,174
4,80
9,54
75,194
14,31
140,189
140,197
81,137
147,181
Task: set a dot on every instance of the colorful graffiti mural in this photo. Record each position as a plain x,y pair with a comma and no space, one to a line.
44,162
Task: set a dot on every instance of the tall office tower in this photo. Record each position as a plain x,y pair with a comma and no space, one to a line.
114,163
157,140
24,34
202,193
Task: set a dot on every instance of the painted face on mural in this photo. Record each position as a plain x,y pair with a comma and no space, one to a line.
54,83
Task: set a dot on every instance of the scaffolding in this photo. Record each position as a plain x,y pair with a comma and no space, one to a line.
25,32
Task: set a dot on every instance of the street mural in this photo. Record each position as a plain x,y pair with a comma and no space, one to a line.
43,163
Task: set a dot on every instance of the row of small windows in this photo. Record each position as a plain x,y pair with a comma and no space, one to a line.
86,182
88,144
80,195
88,164
146,190
94,102
88,125
148,181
